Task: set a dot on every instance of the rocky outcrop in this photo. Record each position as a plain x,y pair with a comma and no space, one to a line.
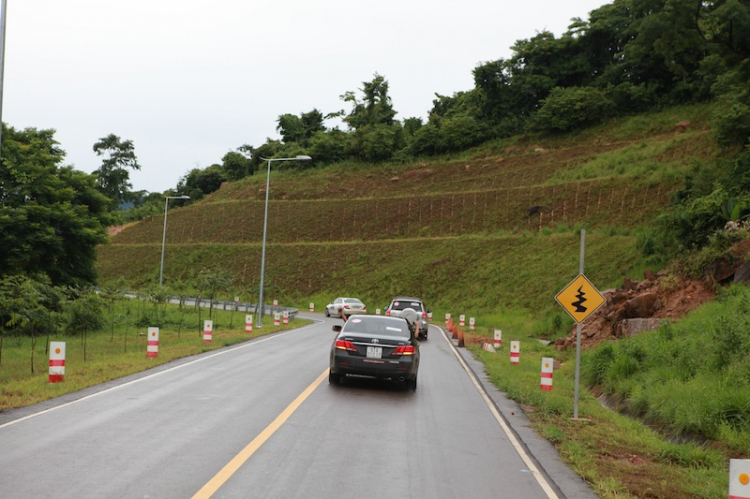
639,306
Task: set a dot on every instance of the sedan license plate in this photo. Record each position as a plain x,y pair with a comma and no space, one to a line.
374,352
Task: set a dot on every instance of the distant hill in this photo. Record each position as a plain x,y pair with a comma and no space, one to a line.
490,228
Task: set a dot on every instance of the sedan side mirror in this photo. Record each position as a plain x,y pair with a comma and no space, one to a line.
336,328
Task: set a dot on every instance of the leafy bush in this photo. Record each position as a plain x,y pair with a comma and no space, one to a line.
461,132
570,108
329,147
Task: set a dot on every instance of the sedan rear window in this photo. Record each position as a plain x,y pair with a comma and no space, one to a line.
366,325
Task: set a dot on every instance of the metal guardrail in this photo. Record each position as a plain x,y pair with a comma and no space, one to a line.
227,305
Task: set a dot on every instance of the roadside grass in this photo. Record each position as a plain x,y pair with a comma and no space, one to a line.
618,456
110,356
692,377
479,274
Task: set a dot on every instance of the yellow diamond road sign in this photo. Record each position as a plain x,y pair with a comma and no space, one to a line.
580,298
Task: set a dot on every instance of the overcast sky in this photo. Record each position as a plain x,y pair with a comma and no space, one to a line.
188,81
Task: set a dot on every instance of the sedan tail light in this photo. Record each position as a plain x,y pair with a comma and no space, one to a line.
345,345
388,312
424,314
404,350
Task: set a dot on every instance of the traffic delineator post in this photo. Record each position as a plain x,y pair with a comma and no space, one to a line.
462,320
461,338
208,330
285,318
515,352
471,323
276,319
498,338
739,479
152,344
56,361
547,369
312,307
249,323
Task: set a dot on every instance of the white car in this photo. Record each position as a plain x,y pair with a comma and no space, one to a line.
350,306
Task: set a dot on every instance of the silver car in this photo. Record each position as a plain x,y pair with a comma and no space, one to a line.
401,303
350,306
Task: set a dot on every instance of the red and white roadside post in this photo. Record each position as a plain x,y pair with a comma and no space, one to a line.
515,352
547,367
312,307
56,361
462,320
447,319
377,311
276,319
208,330
285,318
429,316
739,479
152,344
498,338
471,323
249,323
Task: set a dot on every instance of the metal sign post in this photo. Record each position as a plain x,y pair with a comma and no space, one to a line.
578,330
580,299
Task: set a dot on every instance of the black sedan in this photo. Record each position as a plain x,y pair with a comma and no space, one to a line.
376,346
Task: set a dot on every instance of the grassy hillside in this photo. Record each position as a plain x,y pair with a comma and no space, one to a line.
492,228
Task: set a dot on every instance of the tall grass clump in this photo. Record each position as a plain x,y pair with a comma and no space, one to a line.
690,377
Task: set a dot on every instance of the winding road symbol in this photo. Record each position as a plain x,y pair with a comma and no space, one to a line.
580,298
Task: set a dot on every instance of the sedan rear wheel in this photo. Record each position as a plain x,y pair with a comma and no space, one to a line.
412,383
327,314
334,378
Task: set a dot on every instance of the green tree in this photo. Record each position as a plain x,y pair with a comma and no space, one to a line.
51,217
236,165
199,183
374,107
300,128
329,147
25,308
210,282
84,311
112,178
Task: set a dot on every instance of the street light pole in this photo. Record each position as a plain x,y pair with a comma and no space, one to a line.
259,322
164,235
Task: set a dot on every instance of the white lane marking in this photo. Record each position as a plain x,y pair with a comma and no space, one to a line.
513,440
220,352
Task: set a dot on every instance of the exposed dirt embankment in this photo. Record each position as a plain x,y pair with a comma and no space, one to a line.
639,306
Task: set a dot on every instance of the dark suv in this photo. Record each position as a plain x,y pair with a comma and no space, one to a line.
401,303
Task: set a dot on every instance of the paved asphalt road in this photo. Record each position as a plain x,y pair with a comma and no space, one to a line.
260,420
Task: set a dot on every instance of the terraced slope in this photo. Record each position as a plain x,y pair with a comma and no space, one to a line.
492,225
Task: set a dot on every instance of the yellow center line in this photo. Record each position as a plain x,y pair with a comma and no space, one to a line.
232,466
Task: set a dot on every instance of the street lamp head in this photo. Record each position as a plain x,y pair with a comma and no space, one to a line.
299,157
